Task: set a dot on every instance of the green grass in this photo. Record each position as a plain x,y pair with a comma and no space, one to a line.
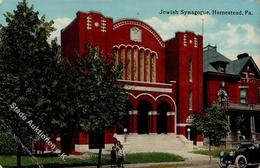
214,152
10,161
154,157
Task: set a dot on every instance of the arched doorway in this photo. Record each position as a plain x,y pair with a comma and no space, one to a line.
143,123
163,108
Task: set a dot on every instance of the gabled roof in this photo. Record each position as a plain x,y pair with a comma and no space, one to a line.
243,62
235,67
211,55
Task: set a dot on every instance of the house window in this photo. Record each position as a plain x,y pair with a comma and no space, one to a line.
190,100
190,71
243,95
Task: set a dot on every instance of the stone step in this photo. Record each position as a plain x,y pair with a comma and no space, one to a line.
155,143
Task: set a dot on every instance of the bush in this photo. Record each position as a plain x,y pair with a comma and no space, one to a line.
7,144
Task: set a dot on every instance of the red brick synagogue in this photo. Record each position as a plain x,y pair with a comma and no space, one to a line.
166,80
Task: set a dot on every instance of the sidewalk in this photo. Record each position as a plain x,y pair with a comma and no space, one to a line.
190,159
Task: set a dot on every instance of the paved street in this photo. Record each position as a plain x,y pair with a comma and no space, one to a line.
186,164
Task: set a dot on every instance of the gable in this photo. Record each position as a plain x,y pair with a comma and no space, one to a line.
249,71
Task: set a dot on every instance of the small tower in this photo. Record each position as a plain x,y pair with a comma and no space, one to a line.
184,64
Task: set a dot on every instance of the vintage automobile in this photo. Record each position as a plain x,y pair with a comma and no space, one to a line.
247,154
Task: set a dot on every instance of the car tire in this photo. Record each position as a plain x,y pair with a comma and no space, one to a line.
241,161
223,163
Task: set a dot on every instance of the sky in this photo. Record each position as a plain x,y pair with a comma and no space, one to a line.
232,34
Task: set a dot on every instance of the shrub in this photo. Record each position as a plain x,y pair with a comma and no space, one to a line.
7,144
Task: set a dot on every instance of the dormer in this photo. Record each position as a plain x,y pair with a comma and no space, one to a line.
220,66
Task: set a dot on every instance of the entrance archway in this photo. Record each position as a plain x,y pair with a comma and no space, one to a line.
143,119
163,108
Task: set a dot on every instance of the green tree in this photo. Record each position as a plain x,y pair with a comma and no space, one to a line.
31,75
60,99
213,123
101,99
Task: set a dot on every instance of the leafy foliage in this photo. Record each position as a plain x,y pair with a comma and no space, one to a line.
213,123
100,98
7,144
29,72
58,99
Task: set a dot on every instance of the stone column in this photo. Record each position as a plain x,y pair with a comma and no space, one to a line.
133,121
170,122
152,121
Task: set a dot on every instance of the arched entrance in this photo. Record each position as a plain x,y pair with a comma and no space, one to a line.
163,108
143,123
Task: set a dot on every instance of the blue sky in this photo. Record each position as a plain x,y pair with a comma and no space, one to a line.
231,34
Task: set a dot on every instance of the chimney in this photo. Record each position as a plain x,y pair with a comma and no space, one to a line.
244,55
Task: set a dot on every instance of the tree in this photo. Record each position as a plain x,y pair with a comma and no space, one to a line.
31,75
213,123
101,99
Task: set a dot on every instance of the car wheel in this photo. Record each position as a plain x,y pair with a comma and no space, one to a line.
241,161
223,163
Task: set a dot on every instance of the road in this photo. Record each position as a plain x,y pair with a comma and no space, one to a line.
186,164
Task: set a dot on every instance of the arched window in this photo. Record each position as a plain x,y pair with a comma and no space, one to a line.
129,63
147,66
136,64
153,68
223,97
116,56
122,55
142,65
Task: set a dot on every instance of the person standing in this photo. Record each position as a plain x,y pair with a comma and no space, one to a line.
113,156
120,156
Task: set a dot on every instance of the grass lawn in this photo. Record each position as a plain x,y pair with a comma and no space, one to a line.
214,152
55,161
10,161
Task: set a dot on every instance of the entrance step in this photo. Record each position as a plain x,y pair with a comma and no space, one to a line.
170,143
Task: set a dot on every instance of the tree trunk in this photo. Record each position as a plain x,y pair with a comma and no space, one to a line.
18,156
210,141
99,156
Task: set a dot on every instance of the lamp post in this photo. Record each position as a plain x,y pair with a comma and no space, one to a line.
238,136
188,130
125,131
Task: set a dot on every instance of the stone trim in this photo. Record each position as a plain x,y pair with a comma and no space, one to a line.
133,112
146,88
243,87
182,124
170,113
152,113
